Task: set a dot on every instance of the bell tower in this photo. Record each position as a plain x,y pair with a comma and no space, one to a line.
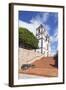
44,40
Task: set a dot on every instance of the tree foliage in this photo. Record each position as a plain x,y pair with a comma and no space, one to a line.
27,38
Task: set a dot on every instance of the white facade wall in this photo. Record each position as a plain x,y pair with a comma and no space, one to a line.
46,49
44,44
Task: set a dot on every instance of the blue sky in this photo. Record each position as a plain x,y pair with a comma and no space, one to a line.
48,19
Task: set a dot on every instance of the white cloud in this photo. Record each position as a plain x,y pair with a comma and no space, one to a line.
47,27
54,37
54,40
45,17
30,26
41,18
36,19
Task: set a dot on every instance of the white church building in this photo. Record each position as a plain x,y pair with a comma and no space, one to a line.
44,41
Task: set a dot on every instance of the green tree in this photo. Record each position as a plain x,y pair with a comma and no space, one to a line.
27,38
